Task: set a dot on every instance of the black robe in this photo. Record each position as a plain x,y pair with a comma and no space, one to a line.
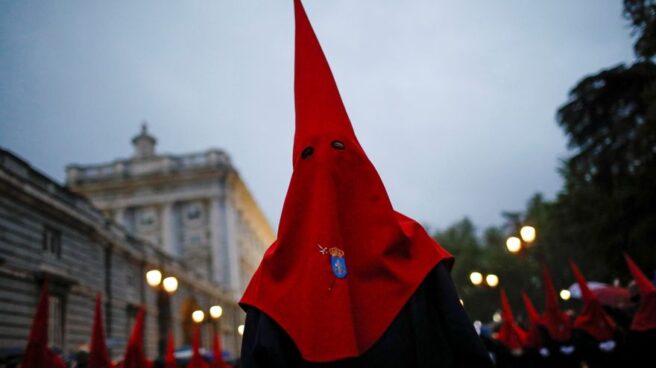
559,354
432,330
640,349
591,352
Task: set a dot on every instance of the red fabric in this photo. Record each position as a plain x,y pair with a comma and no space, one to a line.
216,350
613,296
37,354
98,354
645,317
56,361
533,339
169,358
196,359
557,323
593,319
135,356
510,334
336,199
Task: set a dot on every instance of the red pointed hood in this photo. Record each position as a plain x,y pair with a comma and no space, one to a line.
196,359
510,334
36,352
557,323
98,354
533,338
169,358
135,356
344,262
593,319
645,317
216,351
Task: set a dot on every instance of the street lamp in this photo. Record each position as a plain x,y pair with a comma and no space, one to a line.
565,294
514,244
527,233
170,284
492,280
216,311
165,288
240,330
476,278
198,316
154,277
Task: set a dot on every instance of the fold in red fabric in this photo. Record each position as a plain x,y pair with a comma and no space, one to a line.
344,262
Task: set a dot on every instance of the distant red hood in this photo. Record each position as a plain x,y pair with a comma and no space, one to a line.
645,317
510,334
135,357
98,354
593,319
37,354
196,359
557,323
533,338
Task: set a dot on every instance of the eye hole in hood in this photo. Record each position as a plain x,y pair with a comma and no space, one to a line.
307,152
338,145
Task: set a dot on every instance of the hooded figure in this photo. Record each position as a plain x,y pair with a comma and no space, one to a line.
510,334
217,362
169,357
37,354
511,337
595,332
196,359
135,357
348,278
98,354
533,339
556,327
641,338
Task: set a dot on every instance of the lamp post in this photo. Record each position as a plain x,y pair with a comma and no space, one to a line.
164,287
526,238
477,278
216,311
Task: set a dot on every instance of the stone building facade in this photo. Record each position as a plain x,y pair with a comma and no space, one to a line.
214,239
194,207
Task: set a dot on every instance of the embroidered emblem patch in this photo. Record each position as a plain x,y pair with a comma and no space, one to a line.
338,263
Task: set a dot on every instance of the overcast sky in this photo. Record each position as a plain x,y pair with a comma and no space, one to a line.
453,101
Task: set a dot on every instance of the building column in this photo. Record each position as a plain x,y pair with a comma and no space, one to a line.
225,256
217,232
168,229
119,217
231,248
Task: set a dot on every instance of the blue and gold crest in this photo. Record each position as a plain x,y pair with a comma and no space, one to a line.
337,263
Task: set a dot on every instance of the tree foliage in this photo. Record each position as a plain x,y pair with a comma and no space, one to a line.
608,201
642,15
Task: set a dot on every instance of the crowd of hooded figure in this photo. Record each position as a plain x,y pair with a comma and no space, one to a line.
599,336
350,282
37,354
